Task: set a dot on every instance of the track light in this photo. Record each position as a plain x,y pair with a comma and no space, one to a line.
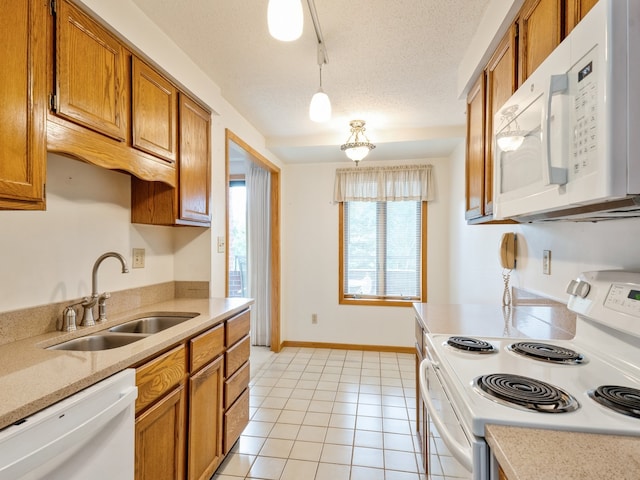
285,19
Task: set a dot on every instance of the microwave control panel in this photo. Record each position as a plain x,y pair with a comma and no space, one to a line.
585,136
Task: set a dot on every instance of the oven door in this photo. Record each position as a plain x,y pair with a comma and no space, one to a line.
453,452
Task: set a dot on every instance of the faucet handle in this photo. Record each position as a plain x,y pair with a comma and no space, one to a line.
69,319
87,317
102,306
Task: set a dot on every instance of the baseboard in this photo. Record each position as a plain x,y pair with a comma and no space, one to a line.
349,346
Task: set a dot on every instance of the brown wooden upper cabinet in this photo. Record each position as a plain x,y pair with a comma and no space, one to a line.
23,97
501,84
159,204
195,161
576,10
540,31
154,112
91,73
474,188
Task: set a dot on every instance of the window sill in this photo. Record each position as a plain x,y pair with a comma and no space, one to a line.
377,302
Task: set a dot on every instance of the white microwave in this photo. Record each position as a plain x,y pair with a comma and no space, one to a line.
567,143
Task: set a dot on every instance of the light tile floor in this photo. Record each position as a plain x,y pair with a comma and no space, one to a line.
326,414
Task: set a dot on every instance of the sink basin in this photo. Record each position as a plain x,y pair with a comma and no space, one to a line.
92,343
152,324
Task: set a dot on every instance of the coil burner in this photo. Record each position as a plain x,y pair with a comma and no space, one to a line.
624,400
525,393
469,344
547,353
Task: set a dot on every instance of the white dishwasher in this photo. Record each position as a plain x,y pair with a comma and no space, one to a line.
89,435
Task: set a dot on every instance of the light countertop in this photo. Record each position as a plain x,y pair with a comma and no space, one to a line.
531,321
532,454
32,377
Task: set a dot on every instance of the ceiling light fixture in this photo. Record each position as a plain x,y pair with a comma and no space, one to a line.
285,19
320,106
358,145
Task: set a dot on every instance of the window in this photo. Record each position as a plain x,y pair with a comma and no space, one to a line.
383,218
382,252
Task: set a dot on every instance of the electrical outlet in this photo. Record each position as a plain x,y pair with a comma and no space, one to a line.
546,262
138,258
221,244
314,318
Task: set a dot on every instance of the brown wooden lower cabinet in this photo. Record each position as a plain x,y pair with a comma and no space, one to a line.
235,419
501,474
160,439
193,403
205,420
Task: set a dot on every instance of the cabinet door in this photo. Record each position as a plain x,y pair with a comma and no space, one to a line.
501,84
23,113
205,420
576,10
154,112
475,150
90,73
195,161
160,439
540,31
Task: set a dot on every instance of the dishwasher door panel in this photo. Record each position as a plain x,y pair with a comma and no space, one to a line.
87,435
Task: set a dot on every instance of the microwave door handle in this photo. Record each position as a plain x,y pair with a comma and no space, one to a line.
457,450
558,84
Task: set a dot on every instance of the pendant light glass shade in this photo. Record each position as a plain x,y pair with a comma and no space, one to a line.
320,107
285,19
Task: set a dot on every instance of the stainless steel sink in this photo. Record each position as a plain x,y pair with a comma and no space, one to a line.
96,342
153,324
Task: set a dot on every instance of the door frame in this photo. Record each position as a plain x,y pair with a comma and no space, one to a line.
260,160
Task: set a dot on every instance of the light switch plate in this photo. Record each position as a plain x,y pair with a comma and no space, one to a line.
221,244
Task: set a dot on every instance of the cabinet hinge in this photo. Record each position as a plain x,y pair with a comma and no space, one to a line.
53,102
53,7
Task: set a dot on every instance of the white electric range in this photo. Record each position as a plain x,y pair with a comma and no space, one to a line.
588,384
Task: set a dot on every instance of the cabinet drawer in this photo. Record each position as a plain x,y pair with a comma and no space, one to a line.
235,419
237,327
205,347
237,355
235,385
160,375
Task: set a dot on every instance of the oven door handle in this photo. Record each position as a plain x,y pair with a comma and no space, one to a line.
457,450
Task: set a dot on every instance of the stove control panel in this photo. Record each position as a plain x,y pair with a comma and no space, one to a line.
624,298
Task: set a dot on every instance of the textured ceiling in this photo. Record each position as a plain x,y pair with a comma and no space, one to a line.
392,63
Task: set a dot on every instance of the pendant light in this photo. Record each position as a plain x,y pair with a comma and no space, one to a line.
285,19
357,145
320,106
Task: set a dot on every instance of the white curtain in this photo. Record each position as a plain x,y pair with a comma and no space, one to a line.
258,185
399,183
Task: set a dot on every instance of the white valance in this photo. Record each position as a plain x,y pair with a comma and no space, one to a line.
373,184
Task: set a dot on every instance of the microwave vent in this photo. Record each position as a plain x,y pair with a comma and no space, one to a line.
628,207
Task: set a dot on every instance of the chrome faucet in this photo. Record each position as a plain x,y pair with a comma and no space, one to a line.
89,302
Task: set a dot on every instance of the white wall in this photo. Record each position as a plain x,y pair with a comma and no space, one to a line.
47,256
476,276
310,263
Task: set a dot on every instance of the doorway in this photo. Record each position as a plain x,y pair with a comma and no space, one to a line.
237,151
